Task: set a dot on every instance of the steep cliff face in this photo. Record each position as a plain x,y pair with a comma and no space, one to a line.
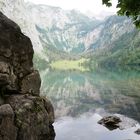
24,115
62,30
109,31
118,43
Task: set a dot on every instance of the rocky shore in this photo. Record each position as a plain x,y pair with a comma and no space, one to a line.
24,115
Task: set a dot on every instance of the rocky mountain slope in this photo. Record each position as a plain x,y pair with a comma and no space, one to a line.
118,43
51,27
65,30
24,115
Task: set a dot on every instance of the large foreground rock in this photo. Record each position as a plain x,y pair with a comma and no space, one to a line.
24,115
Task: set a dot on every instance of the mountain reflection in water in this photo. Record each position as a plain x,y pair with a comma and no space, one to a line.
75,94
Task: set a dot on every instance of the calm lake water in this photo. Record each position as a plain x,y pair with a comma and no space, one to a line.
81,99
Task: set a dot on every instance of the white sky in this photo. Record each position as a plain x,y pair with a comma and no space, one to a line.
94,6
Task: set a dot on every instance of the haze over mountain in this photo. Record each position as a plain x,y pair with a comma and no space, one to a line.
92,7
58,33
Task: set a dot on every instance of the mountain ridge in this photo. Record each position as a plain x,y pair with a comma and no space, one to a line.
63,34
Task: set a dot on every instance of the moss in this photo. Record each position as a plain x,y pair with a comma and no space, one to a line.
37,107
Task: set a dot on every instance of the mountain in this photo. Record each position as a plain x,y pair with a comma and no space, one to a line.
51,29
62,33
118,43
69,34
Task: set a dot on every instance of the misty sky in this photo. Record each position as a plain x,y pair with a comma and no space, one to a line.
94,6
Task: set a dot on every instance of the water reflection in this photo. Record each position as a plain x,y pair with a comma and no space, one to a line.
74,93
86,128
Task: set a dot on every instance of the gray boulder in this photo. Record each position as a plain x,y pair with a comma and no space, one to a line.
110,122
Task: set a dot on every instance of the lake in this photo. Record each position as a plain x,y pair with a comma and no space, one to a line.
81,99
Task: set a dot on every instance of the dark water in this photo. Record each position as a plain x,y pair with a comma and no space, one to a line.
81,99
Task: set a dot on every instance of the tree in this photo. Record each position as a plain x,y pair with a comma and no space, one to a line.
129,8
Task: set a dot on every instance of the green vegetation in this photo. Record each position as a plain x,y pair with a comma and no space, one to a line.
128,8
70,64
123,52
117,44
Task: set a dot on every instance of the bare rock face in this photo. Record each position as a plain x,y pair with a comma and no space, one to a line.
7,128
31,83
31,117
24,115
16,53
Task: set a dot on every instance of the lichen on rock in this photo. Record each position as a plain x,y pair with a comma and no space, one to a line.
24,115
